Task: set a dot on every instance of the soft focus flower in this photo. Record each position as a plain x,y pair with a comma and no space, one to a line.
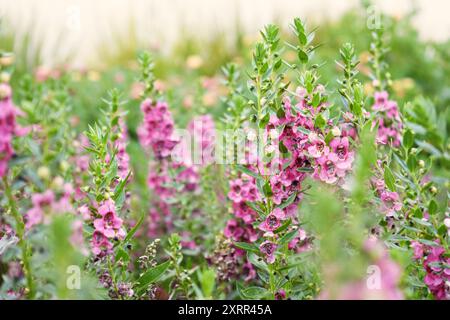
389,121
157,130
391,202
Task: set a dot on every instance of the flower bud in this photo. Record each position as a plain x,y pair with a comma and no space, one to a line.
336,132
7,60
447,223
5,91
5,77
64,165
251,136
270,149
58,183
43,173
421,164
273,134
433,190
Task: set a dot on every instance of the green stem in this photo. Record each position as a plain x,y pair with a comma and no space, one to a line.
20,231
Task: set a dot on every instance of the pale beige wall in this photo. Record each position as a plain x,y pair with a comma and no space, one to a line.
159,21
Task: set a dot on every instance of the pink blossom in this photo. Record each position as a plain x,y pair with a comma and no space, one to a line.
8,127
272,221
157,130
109,224
100,243
391,202
268,248
389,121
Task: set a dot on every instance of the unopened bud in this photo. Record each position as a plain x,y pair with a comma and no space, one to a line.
447,223
58,183
6,61
5,91
421,163
336,132
43,173
64,165
270,149
5,77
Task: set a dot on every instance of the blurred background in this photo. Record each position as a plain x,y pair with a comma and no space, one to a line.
74,30
95,44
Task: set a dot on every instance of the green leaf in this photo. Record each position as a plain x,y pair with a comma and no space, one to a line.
134,229
267,189
255,208
302,56
408,139
389,178
257,261
288,237
252,292
152,275
288,201
122,254
207,280
247,247
120,187
247,171
320,122
432,207
284,226
316,100
282,147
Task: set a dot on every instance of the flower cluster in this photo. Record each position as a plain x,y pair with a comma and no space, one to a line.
241,229
166,171
46,203
123,159
107,226
8,126
381,283
157,130
202,130
307,141
389,121
391,202
436,264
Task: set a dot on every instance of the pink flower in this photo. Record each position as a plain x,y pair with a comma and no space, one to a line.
249,271
123,159
391,202
190,178
340,146
8,127
381,98
203,132
280,295
272,221
300,243
389,121
233,230
42,202
109,224
157,130
327,170
268,248
317,147
107,206
100,243
418,249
